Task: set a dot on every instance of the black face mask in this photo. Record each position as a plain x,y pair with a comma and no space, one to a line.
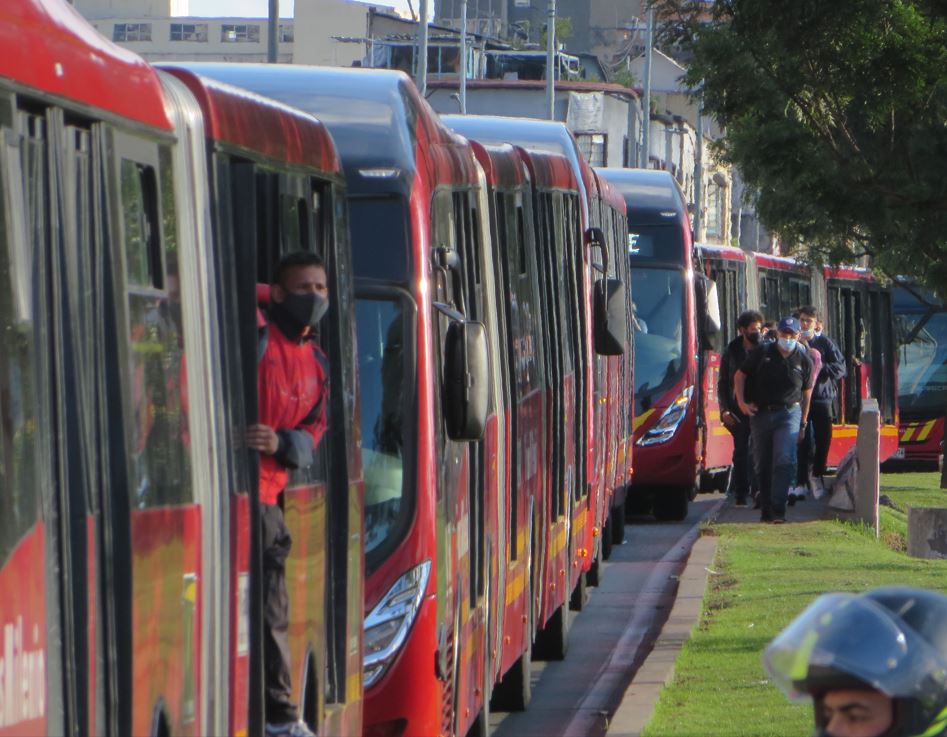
754,338
299,311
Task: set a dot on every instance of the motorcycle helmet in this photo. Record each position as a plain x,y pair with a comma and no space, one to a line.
893,640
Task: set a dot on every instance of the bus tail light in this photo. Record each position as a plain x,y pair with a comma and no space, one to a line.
388,624
667,425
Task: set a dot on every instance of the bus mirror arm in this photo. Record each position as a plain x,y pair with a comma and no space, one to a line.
611,323
595,237
466,380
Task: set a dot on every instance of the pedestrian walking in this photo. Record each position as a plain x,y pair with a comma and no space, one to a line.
823,394
292,391
872,664
806,448
771,388
749,325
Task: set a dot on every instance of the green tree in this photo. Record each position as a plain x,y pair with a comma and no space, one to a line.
836,115
563,31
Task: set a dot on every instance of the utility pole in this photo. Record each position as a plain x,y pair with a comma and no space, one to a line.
551,60
463,57
272,37
422,53
699,173
646,123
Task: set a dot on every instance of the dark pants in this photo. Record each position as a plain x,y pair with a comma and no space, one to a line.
276,546
820,415
805,452
774,449
740,474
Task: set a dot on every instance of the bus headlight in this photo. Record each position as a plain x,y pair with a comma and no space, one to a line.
388,624
667,425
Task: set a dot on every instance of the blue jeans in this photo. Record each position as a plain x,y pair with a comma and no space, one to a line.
774,454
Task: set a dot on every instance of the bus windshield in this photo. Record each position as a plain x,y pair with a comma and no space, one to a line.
922,371
380,325
658,301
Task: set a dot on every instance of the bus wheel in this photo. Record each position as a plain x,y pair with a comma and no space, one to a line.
553,639
514,691
592,577
610,523
580,594
618,527
670,505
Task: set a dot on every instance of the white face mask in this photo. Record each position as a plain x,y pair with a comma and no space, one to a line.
787,344
810,333
818,333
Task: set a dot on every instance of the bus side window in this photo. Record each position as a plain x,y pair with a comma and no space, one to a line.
160,438
23,205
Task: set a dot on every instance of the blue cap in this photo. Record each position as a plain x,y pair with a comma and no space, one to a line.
788,325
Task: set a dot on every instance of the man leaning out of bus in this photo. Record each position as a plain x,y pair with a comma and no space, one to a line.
749,325
773,389
823,394
292,393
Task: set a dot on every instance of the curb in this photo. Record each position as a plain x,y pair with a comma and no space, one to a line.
639,700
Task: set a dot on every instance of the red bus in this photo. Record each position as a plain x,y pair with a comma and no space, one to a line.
858,319
669,388
921,332
595,503
124,495
424,316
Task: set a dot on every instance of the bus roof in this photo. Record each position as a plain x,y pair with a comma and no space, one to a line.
609,193
243,119
382,128
652,195
549,170
727,252
502,164
48,46
530,133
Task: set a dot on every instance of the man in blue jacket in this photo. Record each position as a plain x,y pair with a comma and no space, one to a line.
824,391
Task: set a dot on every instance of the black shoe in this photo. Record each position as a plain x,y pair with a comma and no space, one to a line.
779,520
740,503
790,500
766,518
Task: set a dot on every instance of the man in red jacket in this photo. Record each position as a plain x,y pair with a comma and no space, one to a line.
292,391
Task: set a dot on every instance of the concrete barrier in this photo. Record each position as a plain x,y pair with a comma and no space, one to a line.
927,532
868,479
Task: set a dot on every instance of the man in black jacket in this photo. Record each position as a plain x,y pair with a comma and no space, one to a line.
749,324
824,391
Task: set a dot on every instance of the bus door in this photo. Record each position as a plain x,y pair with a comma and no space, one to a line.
152,512
846,326
32,493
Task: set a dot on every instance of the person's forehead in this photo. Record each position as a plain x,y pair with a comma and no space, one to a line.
852,697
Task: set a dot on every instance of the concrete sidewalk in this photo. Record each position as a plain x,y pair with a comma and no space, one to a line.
642,694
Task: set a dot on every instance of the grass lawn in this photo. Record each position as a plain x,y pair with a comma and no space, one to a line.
763,576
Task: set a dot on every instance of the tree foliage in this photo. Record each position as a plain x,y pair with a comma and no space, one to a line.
836,115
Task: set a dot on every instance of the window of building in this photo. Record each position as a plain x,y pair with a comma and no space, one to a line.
131,32
189,32
240,33
286,33
592,146
713,221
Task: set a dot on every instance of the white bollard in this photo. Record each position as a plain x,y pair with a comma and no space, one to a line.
868,480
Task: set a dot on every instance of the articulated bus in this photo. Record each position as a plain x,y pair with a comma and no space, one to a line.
921,331
128,555
599,496
857,317
425,316
669,434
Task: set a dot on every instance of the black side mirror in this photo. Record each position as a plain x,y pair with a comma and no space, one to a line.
611,320
466,381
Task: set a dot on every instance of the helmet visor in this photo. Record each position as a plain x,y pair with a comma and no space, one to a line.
843,639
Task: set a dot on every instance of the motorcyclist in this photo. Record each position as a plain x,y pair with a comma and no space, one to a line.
874,664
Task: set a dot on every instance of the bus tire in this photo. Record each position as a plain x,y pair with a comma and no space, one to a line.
618,527
552,641
593,576
580,594
514,690
670,505
610,523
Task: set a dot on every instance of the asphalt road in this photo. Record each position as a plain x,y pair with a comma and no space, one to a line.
612,635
